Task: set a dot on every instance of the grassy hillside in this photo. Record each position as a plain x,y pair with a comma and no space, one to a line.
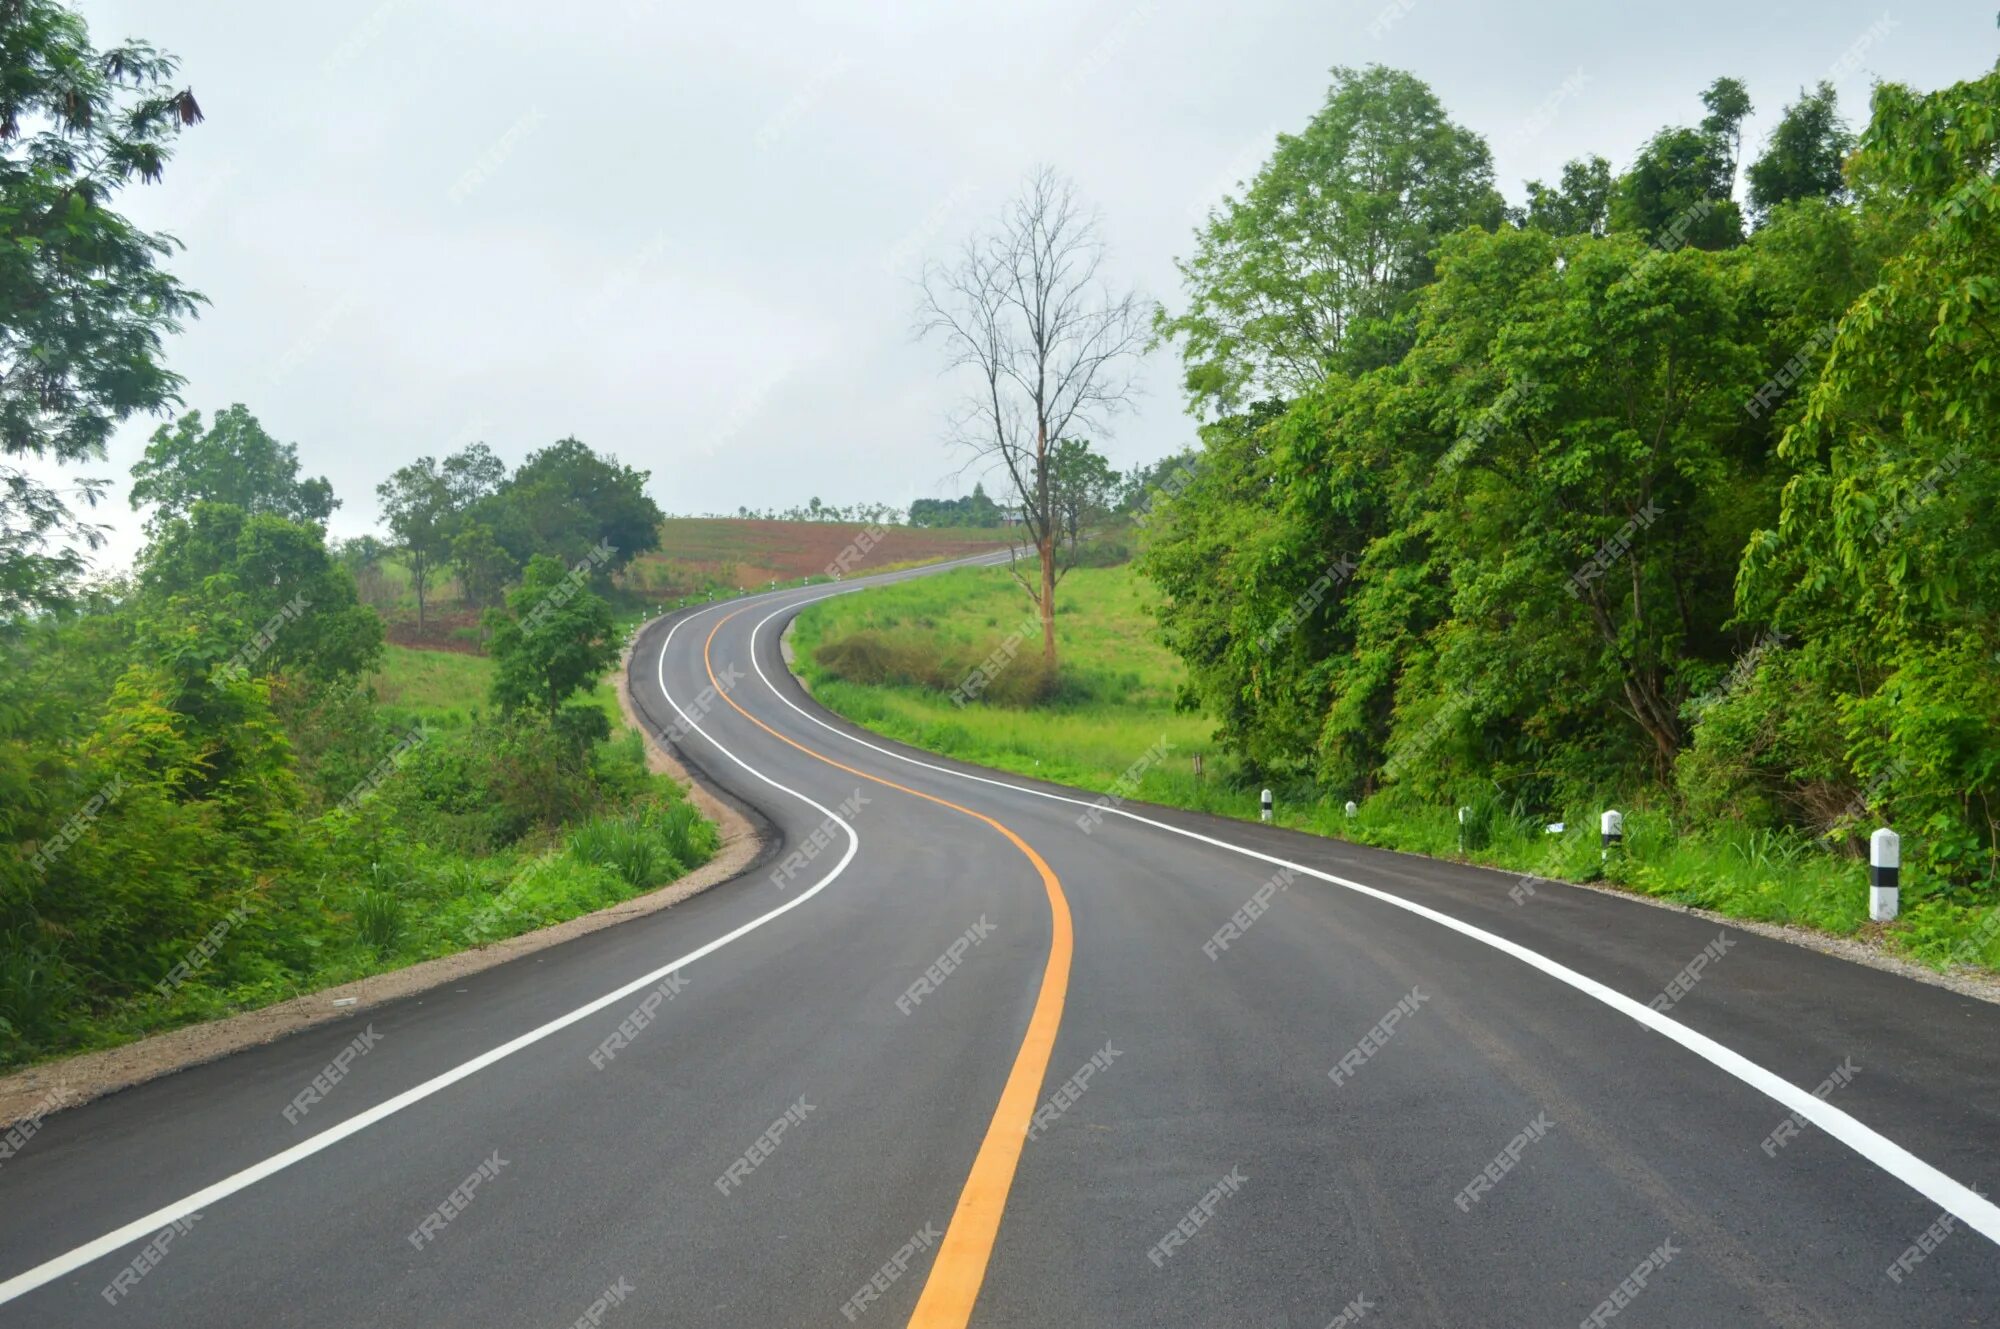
889,658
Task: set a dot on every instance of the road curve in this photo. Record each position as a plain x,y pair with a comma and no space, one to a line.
963,1047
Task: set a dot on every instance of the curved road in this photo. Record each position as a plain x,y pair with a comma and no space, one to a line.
967,1048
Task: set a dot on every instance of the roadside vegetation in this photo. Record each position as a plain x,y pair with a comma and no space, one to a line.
892,657
218,789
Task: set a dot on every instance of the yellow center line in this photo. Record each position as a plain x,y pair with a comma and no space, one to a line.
960,1267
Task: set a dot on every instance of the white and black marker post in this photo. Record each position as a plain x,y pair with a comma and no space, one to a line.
1610,833
1885,870
1265,815
1461,828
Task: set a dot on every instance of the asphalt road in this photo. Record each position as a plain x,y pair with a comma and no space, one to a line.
1027,1075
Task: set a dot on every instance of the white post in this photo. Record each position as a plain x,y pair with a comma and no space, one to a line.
1266,815
1461,828
1885,868
1351,809
1610,833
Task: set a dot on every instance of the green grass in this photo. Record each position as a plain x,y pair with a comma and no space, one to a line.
438,687
1115,703
1101,729
446,687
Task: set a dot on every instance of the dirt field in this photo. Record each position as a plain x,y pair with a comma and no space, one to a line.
694,550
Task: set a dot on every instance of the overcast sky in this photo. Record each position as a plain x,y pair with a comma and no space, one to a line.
687,233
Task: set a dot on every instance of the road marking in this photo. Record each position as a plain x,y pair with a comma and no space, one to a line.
141,1228
1953,1196
952,1285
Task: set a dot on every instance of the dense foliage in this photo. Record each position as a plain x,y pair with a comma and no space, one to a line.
1614,500
203,806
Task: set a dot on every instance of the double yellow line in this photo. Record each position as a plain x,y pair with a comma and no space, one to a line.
960,1266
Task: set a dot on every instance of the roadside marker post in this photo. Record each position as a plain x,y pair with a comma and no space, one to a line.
1461,828
1885,870
1266,813
1610,833
1351,809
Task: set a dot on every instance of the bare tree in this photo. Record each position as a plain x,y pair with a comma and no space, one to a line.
1027,309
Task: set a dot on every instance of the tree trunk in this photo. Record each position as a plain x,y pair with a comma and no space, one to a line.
1048,606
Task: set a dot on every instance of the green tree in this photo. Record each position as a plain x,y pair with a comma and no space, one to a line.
1728,102
1085,488
1311,272
484,566
1885,556
566,500
1579,205
289,603
232,461
84,301
417,504
555,638
1677,192
1804,154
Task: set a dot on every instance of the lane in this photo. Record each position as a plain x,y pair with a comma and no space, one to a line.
1664,1138
1174,1071
610,1173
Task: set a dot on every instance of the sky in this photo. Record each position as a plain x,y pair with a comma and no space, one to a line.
689,235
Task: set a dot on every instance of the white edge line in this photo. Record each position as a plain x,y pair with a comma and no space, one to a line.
1953,1196
70,1261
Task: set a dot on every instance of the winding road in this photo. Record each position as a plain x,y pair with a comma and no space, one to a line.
966,1048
